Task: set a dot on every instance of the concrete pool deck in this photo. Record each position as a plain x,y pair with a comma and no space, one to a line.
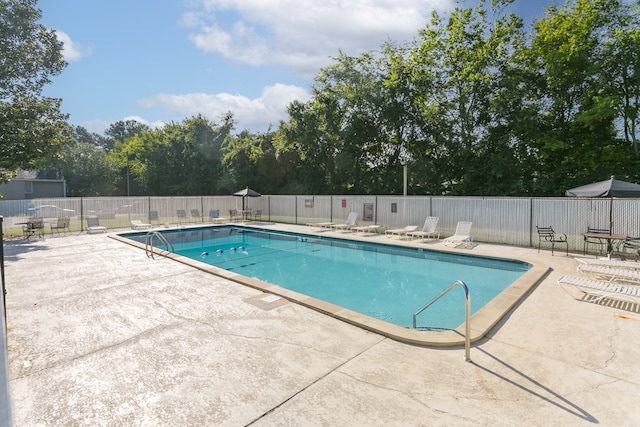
99,334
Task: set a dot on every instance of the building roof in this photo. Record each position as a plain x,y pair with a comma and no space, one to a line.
39,175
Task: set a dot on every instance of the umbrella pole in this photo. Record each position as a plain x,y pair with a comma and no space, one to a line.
611,215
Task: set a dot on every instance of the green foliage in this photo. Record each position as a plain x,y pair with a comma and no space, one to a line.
479,107
584,93
84,164
31,126
181,159
119,131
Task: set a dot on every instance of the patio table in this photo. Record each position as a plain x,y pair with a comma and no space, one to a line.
32,228
610,238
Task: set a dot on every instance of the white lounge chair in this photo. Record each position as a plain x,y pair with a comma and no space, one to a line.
612,263
428,229
599,290
373,228
462,234
93,225
351,222
136,224
610,274
326,225
401,231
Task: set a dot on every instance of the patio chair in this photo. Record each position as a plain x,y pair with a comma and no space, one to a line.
136,224
182,214
257,215
153,216
461,235
548,235
195,214
350,223
629,248
401,231
597,290
214,216
61,224
428,229
234,215
93,225
602,244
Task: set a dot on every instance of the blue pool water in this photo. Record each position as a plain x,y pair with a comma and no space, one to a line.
382,281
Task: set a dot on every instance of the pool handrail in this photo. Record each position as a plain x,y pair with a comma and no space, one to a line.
148,244
467,322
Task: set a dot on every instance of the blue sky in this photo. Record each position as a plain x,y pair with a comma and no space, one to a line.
158,61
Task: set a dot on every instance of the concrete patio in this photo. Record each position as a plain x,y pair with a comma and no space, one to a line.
101,335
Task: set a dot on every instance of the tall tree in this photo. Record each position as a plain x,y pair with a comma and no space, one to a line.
466,94
122,130
621,55
571,49
85,165
348,135
181,159
31,125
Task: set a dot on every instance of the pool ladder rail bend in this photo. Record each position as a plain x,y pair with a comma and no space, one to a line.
148,243
467,323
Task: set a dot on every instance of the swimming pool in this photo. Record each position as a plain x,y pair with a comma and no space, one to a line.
385,282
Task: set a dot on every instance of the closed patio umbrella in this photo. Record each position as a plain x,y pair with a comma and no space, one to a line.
610,188
246,192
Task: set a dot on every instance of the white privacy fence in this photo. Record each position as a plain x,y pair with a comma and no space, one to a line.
505,220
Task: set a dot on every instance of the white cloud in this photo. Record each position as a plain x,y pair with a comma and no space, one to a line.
255,114
158,124
99,126
71,51
305,33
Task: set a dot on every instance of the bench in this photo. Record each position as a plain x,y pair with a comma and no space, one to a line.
548,235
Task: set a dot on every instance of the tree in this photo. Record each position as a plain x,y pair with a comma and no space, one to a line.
587,59
31,125
122,130
86,167
468,103
182,159
352,131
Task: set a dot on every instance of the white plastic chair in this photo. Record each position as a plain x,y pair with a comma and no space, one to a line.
462,234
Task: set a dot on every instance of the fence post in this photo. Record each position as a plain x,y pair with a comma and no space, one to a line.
4,291
81,214
6,418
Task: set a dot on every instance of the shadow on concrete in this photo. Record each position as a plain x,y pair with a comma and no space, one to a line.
537,389
14,248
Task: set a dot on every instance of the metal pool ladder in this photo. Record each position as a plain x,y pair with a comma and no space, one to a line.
467,323
148,243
